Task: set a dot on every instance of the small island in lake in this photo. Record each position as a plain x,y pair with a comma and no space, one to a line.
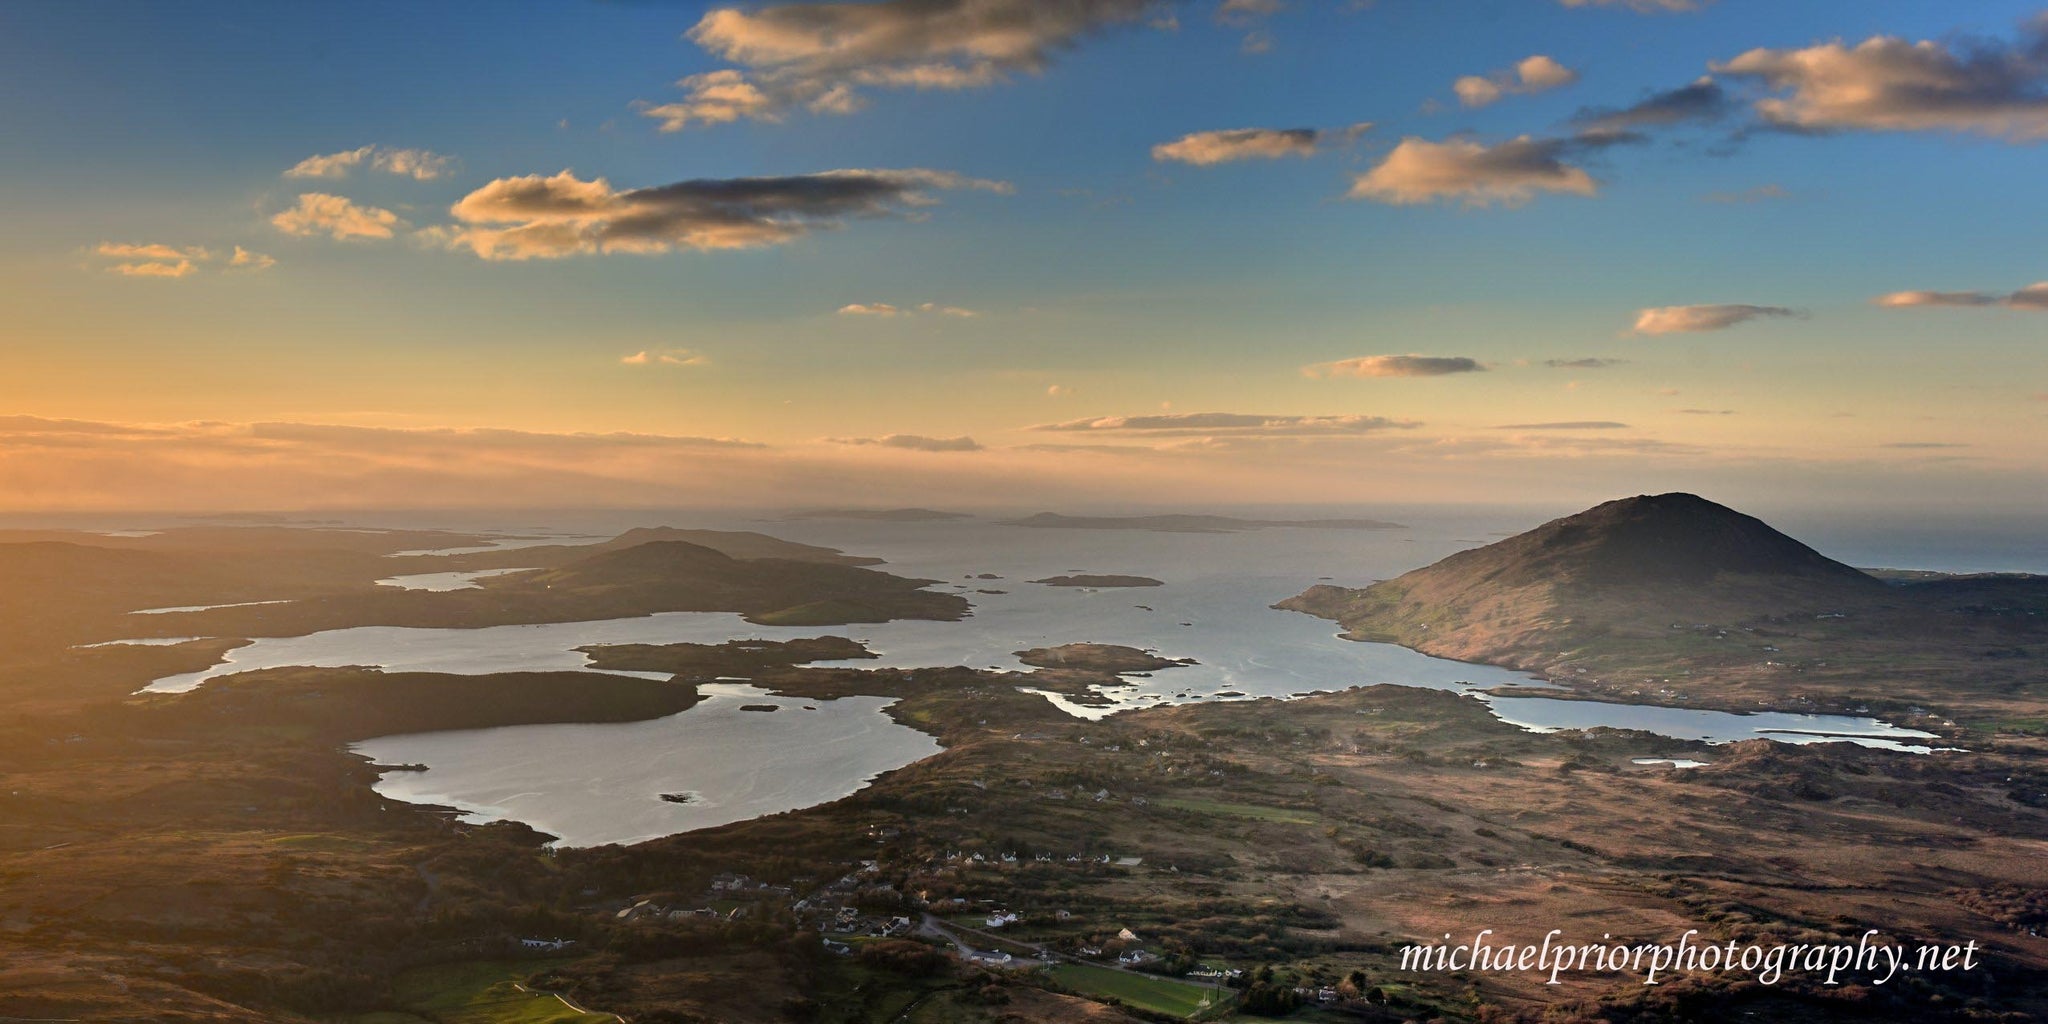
1099,580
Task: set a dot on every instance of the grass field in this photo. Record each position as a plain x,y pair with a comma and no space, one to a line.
1159,995
1288,815
478,992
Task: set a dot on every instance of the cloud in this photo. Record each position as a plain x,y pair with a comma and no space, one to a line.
535,217
818,56
1532,74
1508,173
885,309
1570,425
181,268
1707,412
2033,296
1057,391
244,259
1395,366
915,442
418,164
1702,100
1643,6
1922,444
319,213
169,262
1885,83
1215,147
1676,319
1203,423
665,357
1588,363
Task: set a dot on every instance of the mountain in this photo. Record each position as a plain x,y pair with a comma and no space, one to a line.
1624,571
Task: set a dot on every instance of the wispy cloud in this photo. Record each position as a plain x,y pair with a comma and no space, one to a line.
1587,363
1701,100
2033,296
1885,83
1472,173
1532,74
820,56
1716,317
1395,366
319,213
1202,423
1215,147
535,217
665,357
885,309
170,262
418,164
915,442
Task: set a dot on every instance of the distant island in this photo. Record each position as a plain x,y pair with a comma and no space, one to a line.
1190,523
884,515
1104,580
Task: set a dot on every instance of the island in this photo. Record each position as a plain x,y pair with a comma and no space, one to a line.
1190,523
1099,580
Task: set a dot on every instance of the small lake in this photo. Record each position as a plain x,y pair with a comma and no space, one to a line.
589,785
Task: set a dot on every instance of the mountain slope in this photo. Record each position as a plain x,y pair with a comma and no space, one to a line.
1674,599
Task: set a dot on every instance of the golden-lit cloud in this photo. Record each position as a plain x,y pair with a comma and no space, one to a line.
1712,317
1472,173
665,357
535,217
1566,425
2033,296
819,56
319,213
914,442
1395,366
418,164
244,259
170,262
1886,83
885,309
1532,74
179,268
1206,423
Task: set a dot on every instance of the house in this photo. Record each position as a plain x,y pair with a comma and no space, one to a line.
1002,918
839,948
548,945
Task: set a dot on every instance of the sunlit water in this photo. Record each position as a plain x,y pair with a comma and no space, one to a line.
602,783
594,784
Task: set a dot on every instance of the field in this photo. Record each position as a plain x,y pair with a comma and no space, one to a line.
482,992
1159,995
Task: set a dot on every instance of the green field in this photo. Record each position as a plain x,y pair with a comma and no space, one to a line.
1288,815
1159,995
478,992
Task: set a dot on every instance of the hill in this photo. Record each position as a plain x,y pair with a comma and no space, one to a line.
1674,599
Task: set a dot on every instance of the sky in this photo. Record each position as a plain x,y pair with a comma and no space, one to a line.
979,252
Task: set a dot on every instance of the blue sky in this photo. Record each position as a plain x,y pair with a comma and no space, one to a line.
1106,283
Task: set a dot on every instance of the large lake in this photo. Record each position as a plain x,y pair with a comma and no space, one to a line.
1214,608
